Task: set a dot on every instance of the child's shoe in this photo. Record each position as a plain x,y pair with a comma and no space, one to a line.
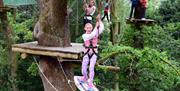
90,85
83,80
90,89
143,18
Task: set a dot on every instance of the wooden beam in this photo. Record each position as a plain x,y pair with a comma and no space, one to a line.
23,55
75,48
5,9
109,68
140,21
100,61
46,53
73,52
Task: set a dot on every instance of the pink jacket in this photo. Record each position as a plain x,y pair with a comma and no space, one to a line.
144,3
93,36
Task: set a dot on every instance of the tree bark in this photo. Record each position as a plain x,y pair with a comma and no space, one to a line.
1,3
14,67
138,39
53,23
115,31
115,27
52,29
7,31
52,70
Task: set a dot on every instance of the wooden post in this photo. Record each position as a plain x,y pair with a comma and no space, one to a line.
14,67
1,3
7,31
115,31
77,21
138,39
115,27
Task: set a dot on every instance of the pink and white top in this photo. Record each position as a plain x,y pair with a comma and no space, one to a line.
90,10
93,36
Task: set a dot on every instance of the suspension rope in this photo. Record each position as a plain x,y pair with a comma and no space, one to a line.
69,81
44,75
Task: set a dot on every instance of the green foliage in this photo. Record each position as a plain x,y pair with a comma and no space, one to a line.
22,32
33,69
162,39
27,76
27,71
22,28
145,69
170,11
4,71
154,68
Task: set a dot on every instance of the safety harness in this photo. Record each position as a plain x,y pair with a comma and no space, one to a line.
90,47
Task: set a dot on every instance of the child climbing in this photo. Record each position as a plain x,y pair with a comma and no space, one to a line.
106,10
89,11
90,53
143,4
133,6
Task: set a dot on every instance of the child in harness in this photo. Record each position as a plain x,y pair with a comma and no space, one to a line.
90,38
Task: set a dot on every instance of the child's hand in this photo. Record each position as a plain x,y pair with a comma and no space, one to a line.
97,24
98,18
84,1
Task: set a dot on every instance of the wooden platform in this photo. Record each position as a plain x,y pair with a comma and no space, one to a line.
140,21
73,52
5,9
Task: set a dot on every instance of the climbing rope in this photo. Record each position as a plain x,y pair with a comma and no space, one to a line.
44,75
69,81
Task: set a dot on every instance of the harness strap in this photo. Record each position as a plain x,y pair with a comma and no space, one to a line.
89,48
88,16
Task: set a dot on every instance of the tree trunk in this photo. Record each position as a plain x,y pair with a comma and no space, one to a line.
14,67
53,20
138,38
53,30
77,21
7,31
1,3
54,73
115,31
115,28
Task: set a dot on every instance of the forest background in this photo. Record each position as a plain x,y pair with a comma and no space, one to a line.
156,67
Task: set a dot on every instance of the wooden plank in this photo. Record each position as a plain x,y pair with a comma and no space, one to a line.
140,21
109,68
46,53
76,48
5,9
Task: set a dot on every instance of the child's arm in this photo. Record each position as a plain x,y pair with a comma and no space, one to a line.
99,25
85,7
97,30
100,28
94,10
